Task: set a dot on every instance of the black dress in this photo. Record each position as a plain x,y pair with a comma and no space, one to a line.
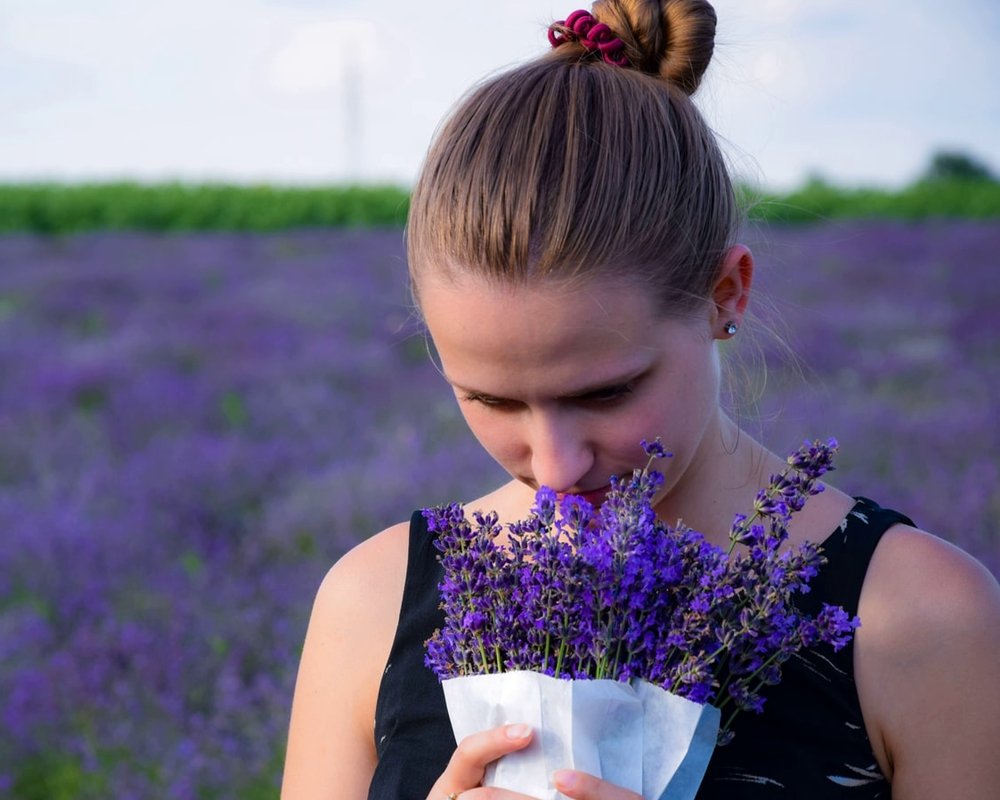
809,742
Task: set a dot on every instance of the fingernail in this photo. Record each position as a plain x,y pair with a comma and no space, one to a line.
518,731
564,779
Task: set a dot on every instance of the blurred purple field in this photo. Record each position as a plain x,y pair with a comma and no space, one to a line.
192,428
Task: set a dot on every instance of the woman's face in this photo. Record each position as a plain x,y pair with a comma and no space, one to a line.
560,384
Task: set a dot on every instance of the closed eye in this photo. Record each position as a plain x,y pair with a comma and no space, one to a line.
488,400
606,395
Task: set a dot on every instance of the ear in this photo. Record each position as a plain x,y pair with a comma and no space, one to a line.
732,289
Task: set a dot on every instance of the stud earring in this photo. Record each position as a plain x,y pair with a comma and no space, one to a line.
731,327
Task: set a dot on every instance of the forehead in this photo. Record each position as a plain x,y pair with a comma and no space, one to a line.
544,334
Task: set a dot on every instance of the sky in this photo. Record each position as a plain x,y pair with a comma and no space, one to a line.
322,91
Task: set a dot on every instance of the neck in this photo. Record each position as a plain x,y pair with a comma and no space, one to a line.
721,481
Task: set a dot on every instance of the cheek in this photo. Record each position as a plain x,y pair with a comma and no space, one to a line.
679,409
497,436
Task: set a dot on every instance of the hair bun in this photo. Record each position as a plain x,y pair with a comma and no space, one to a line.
673,39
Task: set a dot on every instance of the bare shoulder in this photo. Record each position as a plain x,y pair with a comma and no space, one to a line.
357,609
928,666
357,604
331,748
927,587
369,577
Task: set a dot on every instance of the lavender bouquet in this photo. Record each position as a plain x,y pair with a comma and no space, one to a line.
671,635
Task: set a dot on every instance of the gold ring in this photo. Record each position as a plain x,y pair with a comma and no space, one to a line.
453,796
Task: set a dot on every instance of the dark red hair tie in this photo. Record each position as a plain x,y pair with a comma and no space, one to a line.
583,27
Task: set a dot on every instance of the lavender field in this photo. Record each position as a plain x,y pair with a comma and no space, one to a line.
193,427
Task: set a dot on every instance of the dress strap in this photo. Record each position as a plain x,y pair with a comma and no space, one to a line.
849,550
413,737
422,569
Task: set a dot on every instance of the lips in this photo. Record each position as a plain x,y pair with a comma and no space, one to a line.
594,496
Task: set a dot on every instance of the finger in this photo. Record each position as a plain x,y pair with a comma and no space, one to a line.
581,786
467,766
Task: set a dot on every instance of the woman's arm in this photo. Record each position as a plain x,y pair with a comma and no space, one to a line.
331,750
928,668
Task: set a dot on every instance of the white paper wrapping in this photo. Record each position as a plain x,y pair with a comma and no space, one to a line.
634,735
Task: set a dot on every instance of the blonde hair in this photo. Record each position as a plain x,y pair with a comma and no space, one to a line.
568,167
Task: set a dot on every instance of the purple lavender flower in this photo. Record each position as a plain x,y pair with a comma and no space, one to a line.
655,448
835,627
616,593
814,459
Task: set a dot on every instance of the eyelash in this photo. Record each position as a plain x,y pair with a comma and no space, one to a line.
601,397
485,400
609,394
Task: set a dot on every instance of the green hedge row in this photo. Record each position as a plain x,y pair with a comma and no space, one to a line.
925,199
67,208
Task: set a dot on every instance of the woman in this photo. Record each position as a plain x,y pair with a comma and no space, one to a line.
572,250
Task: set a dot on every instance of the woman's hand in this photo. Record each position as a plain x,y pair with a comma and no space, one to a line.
581,786
467,766
464,773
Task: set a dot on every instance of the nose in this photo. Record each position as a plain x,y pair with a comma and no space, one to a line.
561,453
